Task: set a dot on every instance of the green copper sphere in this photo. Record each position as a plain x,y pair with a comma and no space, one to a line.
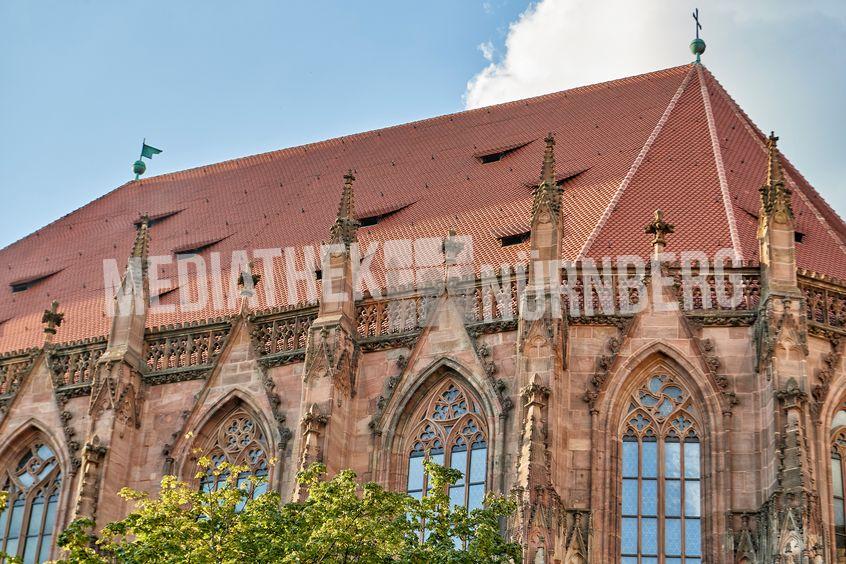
138,167
697,46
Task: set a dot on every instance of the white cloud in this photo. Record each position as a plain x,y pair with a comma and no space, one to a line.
487,50
559,44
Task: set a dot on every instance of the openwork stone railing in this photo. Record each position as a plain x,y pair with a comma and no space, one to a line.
719,292
12,369
825,300
75,364
184,352
280,336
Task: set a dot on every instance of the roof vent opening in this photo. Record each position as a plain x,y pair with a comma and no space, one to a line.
493,157
187,251
498,153
23,284
515,239
798,237
157,218
369,221
374,216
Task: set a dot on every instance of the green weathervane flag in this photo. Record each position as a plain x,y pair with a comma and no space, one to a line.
147,151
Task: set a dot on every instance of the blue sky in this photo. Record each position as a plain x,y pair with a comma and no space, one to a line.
81,83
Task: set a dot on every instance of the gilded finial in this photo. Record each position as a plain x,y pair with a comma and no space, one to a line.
659,229
346,225
52,318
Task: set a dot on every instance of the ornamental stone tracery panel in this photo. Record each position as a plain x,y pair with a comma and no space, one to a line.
661,505
27,525
448,427
235,438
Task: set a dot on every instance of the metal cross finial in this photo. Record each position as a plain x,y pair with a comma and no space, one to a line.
696,19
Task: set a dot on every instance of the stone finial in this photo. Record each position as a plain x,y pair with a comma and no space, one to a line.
346,225
547,195
248,275
548,168
775,196
52,318
659,228
451,247
141,246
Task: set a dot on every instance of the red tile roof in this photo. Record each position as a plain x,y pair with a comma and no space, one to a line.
671,139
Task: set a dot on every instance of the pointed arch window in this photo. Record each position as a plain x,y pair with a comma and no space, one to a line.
838,483
661,476
28,523
238,440
449,430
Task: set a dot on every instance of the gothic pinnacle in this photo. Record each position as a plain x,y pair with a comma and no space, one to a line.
141,245
548,193
774,193
346,225
548,169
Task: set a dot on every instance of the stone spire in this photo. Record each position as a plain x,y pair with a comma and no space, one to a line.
332,351
126,338
141,246
116,390
346,225
547,196
775,196
776,234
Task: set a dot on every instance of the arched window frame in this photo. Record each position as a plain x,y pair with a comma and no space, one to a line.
234,434
837,468
452,432
660,423
33,477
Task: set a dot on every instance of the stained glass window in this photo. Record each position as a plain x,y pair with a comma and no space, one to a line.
661,476
28,523
449,430
838,465
239,441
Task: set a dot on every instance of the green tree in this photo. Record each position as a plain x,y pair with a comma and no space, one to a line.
341,521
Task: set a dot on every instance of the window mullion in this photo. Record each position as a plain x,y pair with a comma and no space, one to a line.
10,501
660,506
25,521
47,493
640,451
683,509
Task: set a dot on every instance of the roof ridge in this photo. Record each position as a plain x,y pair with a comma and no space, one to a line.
615,199
718,160
262,157
839,235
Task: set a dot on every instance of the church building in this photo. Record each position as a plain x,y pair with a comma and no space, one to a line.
475,300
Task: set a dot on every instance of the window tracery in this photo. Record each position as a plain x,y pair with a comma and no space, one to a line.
838,483
28,523
239,441
449,430
661,476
